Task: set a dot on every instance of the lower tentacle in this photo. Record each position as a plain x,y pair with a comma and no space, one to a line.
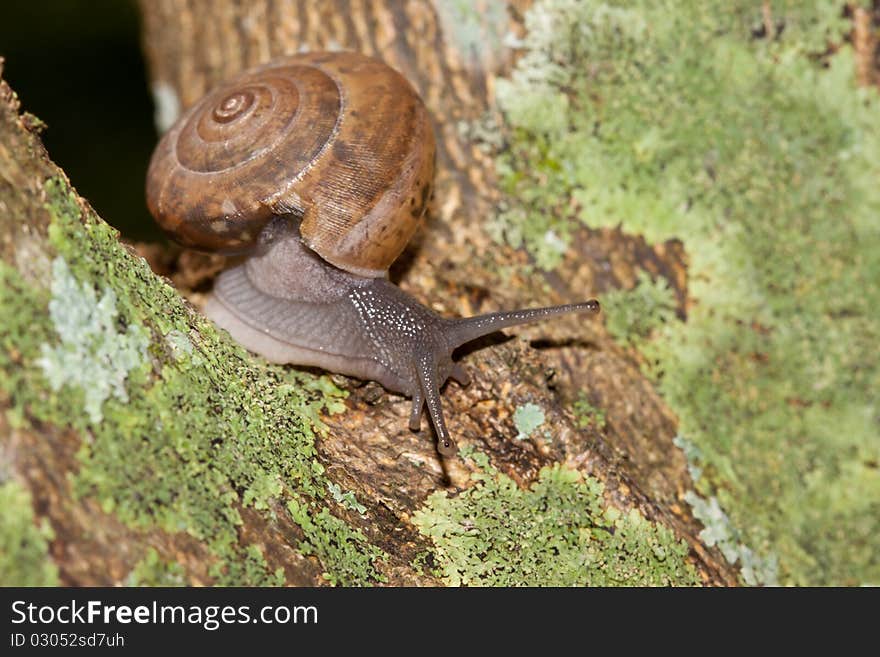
415,417
431,391
460,374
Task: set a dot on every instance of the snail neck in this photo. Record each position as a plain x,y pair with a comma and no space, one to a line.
283,267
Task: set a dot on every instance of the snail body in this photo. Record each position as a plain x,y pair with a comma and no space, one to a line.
319,168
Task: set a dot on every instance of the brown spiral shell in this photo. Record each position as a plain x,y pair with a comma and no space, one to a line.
339,140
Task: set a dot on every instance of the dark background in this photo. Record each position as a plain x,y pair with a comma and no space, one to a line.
77,65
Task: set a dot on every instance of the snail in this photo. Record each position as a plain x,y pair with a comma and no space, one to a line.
319,168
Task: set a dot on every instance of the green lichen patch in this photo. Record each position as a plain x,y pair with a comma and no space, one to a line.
633,315
586,415
339,548
152,570
559,532
24,544
687,120
249,565
204,429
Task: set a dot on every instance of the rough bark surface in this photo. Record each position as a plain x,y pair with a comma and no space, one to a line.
453,266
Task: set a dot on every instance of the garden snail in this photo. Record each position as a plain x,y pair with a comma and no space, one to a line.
319,167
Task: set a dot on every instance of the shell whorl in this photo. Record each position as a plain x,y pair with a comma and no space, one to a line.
338,140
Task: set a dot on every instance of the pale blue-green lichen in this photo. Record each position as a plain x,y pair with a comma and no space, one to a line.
167,106
527,418
685,120
180,345
693,455
346,499
24,543
558,532
95,354
205,429
717,530
473,29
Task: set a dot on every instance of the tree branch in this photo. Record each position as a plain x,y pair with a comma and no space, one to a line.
185,459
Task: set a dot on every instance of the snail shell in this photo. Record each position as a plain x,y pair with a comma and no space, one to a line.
340,141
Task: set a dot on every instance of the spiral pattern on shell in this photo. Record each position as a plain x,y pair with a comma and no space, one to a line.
338,141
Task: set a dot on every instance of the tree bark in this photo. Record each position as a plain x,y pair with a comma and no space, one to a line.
453,266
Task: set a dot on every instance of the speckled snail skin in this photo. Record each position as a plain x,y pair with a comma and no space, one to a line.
319,167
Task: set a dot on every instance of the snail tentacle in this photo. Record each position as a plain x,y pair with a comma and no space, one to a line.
415,417
430,386
462,331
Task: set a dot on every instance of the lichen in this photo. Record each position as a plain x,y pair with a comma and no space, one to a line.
527,418
167,105
586,414
558,532
474,30
346,498
24,543
180,345
152,570
205,429
717,530
757,150
249,565
633,315
94,355
693,454
339,548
